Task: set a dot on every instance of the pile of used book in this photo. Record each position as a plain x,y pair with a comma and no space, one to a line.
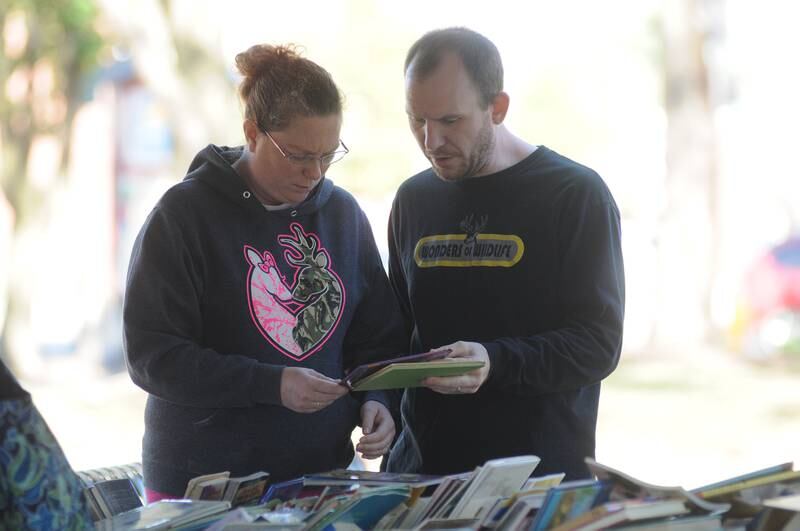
503,494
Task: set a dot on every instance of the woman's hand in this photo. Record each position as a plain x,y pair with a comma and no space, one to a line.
306,390
378,428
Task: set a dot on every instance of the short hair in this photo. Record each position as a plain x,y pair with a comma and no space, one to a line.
478,54
279,85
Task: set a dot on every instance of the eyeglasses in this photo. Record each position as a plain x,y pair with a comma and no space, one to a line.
304,160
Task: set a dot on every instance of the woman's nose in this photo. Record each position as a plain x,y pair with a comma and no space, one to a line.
312,170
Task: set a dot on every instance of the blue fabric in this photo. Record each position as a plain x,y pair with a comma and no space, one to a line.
38,489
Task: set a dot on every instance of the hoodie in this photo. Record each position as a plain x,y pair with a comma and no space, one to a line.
221,295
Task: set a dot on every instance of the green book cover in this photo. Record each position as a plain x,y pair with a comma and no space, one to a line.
400,375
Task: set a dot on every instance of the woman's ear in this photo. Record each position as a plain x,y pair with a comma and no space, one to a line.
499,107
250,133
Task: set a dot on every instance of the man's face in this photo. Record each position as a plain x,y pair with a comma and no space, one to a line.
451,126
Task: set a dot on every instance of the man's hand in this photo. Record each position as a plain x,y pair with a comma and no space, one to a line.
307,391
378,428
465,383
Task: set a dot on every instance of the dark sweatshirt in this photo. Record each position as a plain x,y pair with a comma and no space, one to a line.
221,296
527,262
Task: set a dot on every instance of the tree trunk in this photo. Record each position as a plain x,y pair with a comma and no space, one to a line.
688,236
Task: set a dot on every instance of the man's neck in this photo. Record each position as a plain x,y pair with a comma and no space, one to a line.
509,150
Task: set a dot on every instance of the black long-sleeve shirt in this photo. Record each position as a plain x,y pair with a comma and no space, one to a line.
527,262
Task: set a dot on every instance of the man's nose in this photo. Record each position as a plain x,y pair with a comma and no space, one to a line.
434,139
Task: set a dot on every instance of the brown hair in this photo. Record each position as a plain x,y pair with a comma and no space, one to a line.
478,54
278,85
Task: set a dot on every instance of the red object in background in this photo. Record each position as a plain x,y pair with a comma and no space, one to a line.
767,324
773,284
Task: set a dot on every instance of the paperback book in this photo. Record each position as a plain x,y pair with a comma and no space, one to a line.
407,371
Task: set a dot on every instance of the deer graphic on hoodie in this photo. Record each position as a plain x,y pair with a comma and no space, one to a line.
295,318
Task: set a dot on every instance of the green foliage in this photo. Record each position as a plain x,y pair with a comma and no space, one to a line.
61,34
60,30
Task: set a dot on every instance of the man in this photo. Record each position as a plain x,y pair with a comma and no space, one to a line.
508,253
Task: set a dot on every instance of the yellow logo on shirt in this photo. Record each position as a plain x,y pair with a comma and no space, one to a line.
461,250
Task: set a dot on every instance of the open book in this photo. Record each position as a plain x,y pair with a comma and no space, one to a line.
628,487
407,371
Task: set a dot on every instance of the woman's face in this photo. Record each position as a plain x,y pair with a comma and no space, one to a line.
274,178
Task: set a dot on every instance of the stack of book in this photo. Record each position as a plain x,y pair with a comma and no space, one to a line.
501,495
220,486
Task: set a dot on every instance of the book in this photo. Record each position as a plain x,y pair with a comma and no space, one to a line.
462,524
259,525
528,500
615,513
763,472
283,491
702,522
782,512
246,489
786,503
211,489
163,514
733,487
362,371
194,488
522,510
443,496
94,508
497,477
404,375
409,519
628,487
543,482
418,509
114,496
569,500
124,490
329,492
220,486
370,478
364,509
489,517
393,518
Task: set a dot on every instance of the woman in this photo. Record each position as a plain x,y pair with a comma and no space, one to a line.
253,285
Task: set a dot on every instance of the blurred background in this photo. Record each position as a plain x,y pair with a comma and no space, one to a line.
689,109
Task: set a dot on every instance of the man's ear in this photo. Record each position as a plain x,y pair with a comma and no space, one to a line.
250,133
499,107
